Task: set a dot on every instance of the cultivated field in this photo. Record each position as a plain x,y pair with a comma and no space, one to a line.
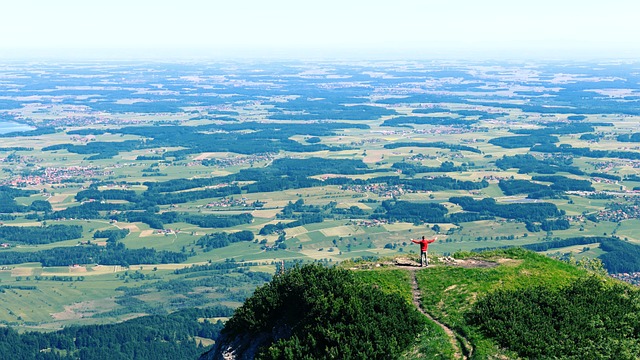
315,169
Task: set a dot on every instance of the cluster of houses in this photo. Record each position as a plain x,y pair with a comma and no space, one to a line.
632,278
603,180
165,232
83,139
53,175
368,223
236,160
382,190
492,178
445,130
420,157
74,115
365,141
229,202
622,213
604,166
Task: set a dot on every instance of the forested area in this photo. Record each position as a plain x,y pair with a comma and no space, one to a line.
219,240
263,138
294,173
301,214
411,212
436,144
222,266
555,244
559,184
39,131
209,284
112,254
8,203
426,184
523,141
325,313
527,163
315,166
515,187
585,151
563,183
281,174
40,234
150,337
111,235
552,225
153,197
605,176
562,128
149,213
410,169
517,211
302,220
548,225
208,221
16,148
294,210
326,109
635,137
620,256
144,207
405,121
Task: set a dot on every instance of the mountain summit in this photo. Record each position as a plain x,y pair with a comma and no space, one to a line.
499,304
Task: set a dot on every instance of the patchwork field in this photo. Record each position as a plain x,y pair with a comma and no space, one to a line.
109,196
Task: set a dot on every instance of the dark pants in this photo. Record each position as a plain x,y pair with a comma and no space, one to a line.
424,261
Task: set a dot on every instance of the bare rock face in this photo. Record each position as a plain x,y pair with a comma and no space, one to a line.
244,346
406,262
241,347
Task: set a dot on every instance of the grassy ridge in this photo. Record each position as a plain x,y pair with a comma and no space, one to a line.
432,342
449,292
390,281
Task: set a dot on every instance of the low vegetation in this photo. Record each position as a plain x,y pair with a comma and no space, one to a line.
589,318
176,336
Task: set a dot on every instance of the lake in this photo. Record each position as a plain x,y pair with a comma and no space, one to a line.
10,126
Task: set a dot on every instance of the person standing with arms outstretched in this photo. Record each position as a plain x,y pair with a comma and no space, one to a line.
424,247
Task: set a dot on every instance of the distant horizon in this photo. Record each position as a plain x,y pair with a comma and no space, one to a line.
308,54
356,29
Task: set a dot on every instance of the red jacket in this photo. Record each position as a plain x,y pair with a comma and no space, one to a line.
424,244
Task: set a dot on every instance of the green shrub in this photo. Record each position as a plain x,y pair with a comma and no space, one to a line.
589,319
326,313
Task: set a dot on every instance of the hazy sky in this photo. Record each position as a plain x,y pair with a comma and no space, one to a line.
270,27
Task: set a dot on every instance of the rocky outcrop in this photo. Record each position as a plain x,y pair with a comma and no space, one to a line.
244,346
241,347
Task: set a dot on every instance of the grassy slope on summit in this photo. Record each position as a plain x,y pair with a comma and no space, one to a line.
450,293
432,342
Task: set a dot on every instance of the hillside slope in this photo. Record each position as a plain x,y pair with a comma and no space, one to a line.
502,304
